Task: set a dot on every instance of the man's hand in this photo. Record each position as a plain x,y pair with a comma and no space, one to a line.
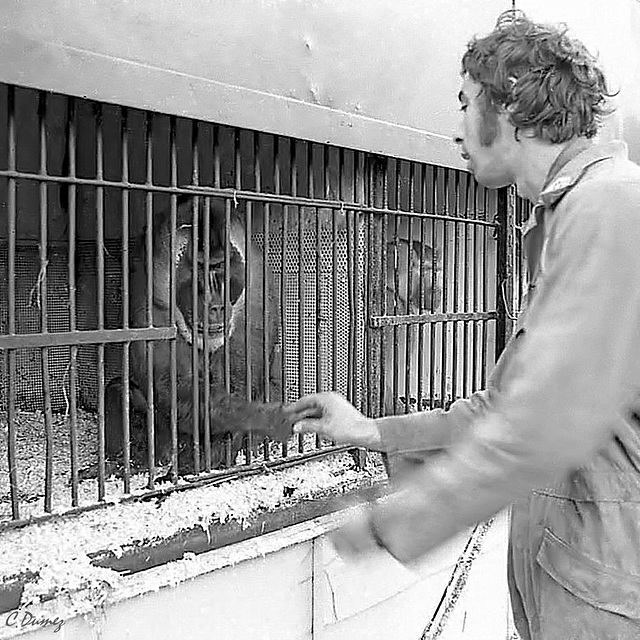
331,416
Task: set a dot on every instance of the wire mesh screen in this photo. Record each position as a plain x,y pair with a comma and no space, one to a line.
168,285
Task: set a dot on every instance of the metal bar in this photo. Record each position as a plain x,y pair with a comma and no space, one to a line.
41,285
64,338
484,292
382,171
73,362
409,328
474,296
11,285
502,272
396,287
126,383
431,318
277,178
173,359
465,287
206,378
232,194
334,276
195,300
301,283
444,193
421,283
320,317
434,284
455,197
227,317
247,287
100,250
151,439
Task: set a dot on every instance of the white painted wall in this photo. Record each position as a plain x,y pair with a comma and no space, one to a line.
289,585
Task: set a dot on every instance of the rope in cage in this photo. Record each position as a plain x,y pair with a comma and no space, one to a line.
457,581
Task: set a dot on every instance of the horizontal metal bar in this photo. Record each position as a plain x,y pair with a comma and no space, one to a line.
241,195
430,318
64,338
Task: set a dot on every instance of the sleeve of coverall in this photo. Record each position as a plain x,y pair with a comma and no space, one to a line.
567,383
431,430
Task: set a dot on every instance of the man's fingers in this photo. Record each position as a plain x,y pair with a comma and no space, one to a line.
308,426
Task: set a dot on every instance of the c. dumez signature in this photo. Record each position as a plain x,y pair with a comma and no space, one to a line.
24,618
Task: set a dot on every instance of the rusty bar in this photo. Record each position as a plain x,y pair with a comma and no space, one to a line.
151,439
173,358
195,296
126,382
73,362
502,271
430,318
41,286
100,249
239,196
11,285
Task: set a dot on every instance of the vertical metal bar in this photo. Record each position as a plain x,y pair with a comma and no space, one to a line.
502,283
434,284
11,282
421,284
301,283
42,285
277,177
73,362
474,298
126,346
206,378
382,188
100,250
444,195
173,360
484,288
465,285
360,185
455,203
227,316
151,449
195,300
409,328
247,287
334,275
320,316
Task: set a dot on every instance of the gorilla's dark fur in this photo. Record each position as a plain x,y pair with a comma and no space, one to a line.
229,412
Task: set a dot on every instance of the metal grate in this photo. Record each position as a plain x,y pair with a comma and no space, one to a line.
87,188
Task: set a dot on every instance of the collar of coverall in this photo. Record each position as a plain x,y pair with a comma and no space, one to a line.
567,169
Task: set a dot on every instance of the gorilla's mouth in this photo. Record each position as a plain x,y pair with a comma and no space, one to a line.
213,330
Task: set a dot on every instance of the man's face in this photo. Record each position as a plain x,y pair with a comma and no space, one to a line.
485,139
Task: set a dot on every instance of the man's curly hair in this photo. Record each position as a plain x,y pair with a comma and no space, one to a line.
547,82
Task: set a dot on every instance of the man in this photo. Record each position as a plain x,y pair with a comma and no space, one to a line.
556,434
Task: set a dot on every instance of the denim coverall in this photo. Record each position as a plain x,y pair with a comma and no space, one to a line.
555,434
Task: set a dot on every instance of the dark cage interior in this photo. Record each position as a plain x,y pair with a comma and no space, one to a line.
168,285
